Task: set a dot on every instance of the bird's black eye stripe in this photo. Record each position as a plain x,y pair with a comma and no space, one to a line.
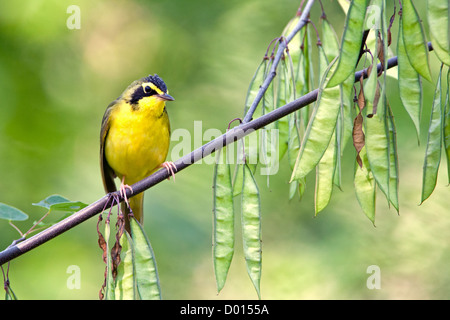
140,93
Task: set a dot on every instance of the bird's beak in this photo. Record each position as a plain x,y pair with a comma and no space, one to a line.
165,97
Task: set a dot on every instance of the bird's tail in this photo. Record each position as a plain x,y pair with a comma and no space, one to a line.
137,207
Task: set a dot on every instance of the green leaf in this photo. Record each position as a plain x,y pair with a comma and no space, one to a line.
414,39
146,272
251,227
59,203
11,213
351,42
223,236
51,200
434,144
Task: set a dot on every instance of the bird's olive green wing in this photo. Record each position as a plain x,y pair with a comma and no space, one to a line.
108,174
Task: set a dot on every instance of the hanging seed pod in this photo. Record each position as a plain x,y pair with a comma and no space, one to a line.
414,39
409,84
320,128
251,227
434,143
351,42
223,236
147,279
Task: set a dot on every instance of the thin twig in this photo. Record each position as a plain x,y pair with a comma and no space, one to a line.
273,70
35,224
363,42
15,227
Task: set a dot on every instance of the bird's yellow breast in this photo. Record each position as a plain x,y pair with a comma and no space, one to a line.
138,139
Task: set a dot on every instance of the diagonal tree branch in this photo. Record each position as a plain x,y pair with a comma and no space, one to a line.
229,137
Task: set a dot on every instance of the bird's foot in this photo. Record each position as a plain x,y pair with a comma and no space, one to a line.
123,191
171,169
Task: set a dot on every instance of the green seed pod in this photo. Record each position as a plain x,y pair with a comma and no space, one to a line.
251,227
223,236
147,279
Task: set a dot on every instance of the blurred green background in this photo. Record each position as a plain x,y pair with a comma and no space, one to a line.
55,84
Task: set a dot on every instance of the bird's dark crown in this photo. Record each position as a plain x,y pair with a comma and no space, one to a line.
157,81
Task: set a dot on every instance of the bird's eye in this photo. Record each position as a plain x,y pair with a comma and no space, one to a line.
147,89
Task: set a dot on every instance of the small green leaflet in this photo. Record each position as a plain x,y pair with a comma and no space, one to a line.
59,203
11,213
